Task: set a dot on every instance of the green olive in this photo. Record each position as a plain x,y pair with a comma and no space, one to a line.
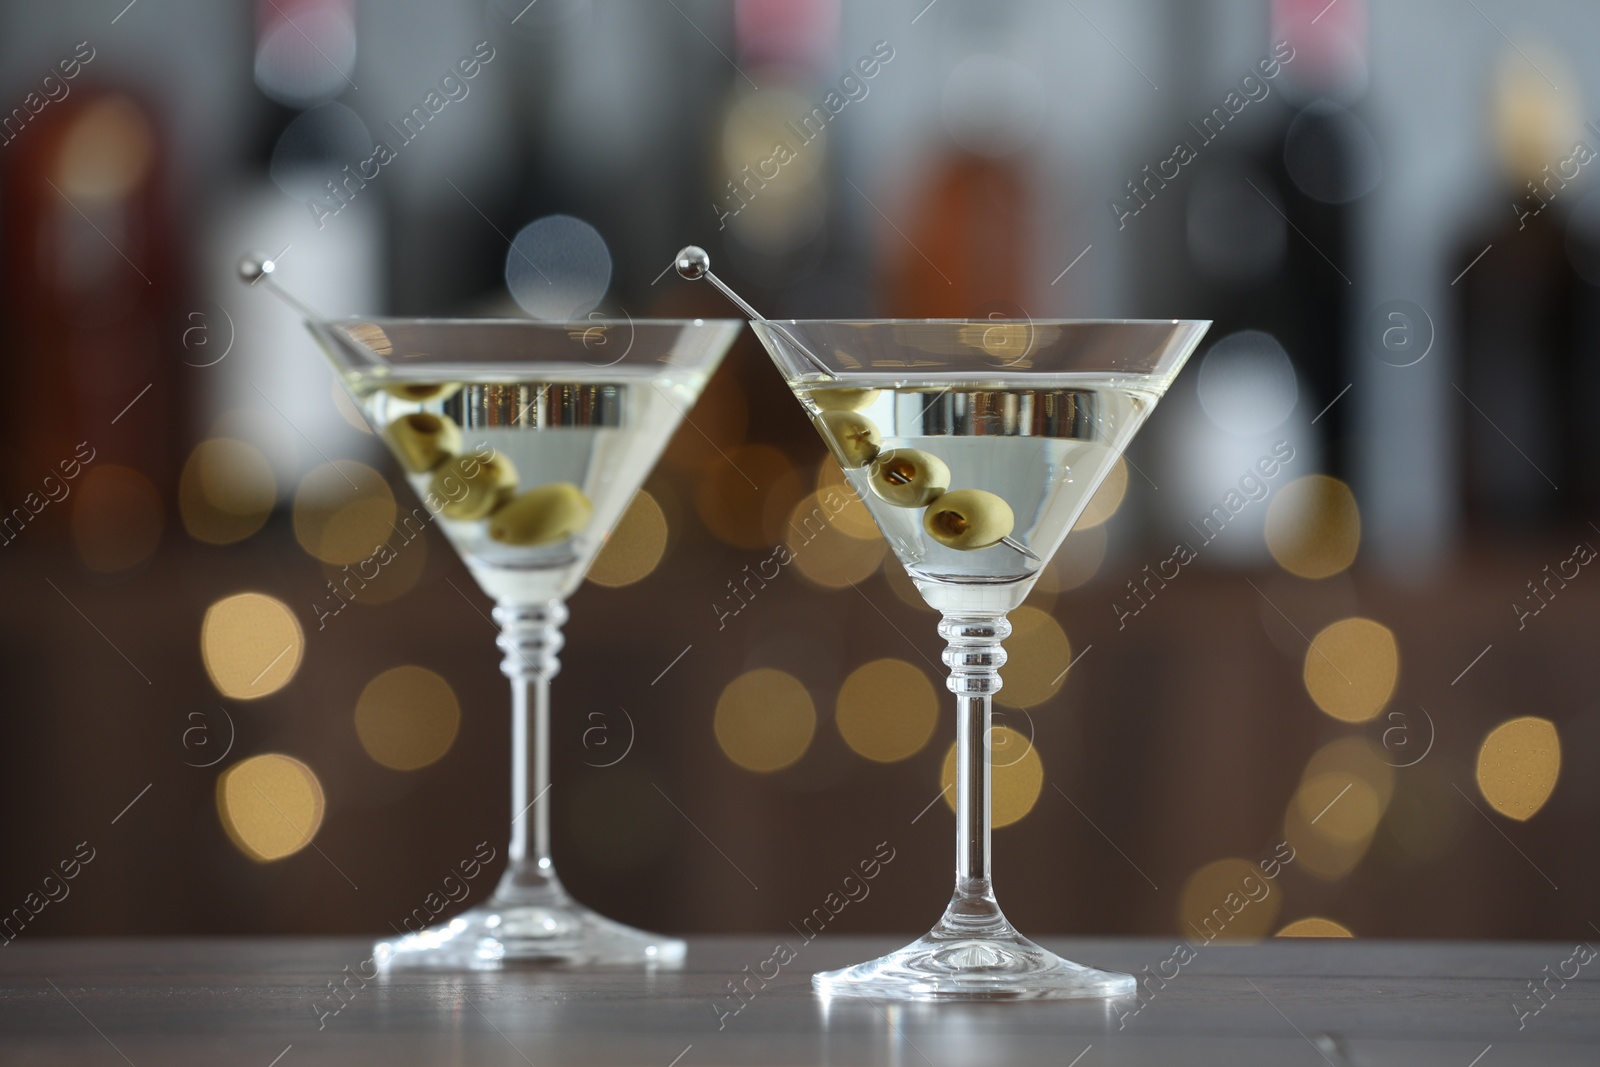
473,485
968,519
908,478
855,437
423,440
420,391
541,516
844,399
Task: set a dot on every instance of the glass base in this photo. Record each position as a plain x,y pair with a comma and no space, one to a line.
964,959
556,933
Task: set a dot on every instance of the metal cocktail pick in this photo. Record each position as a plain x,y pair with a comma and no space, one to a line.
255,267
694,263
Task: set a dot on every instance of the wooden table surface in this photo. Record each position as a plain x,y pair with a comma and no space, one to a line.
259,1003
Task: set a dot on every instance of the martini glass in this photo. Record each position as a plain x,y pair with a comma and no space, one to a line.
975,445
525,441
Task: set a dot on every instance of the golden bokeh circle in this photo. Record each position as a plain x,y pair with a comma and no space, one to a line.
407,717
343,511
1314,526
1106,499
853,518
1015,781
251,644
386,575
1518,766
108,150
1343,809
1354,757
1037,654
900,583
1228,899
117,518
345,405
731,494
1314,926
887,710
765,720
226,492
822,553
271,806
1351,668
635,547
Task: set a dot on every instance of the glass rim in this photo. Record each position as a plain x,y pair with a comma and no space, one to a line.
993,321
563,324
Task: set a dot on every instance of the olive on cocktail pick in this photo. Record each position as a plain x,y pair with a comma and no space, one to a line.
423,440
844,399
421,391
473,485
856,435
543,515
968,518
908,477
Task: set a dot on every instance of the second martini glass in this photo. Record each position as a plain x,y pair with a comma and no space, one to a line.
975,445
525,441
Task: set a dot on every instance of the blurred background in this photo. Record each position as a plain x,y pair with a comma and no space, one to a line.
1381,653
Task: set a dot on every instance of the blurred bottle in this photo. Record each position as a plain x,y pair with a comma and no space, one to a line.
311,197
1525,365
770,190
966,249
90,271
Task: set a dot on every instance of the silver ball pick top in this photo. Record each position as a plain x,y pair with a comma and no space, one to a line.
258,267
694,263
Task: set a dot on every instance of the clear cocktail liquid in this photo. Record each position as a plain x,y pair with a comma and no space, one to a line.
1043,449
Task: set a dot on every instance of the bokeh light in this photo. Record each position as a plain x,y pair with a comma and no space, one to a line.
1016,776
1228,900
343,511
635,547
853,518
407,717
765,720
107,151
1355,757
1341,808
271,806
1518,766
1106,500
731,494
1037,654
558,268
887,710
825,555
381,578
1351,669
1314,526
226,491
894,573
251,645
116,518
1314,926
1247,383
1344,791
1076,562
346,407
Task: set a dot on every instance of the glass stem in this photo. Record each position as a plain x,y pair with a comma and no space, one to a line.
974,656
530,636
